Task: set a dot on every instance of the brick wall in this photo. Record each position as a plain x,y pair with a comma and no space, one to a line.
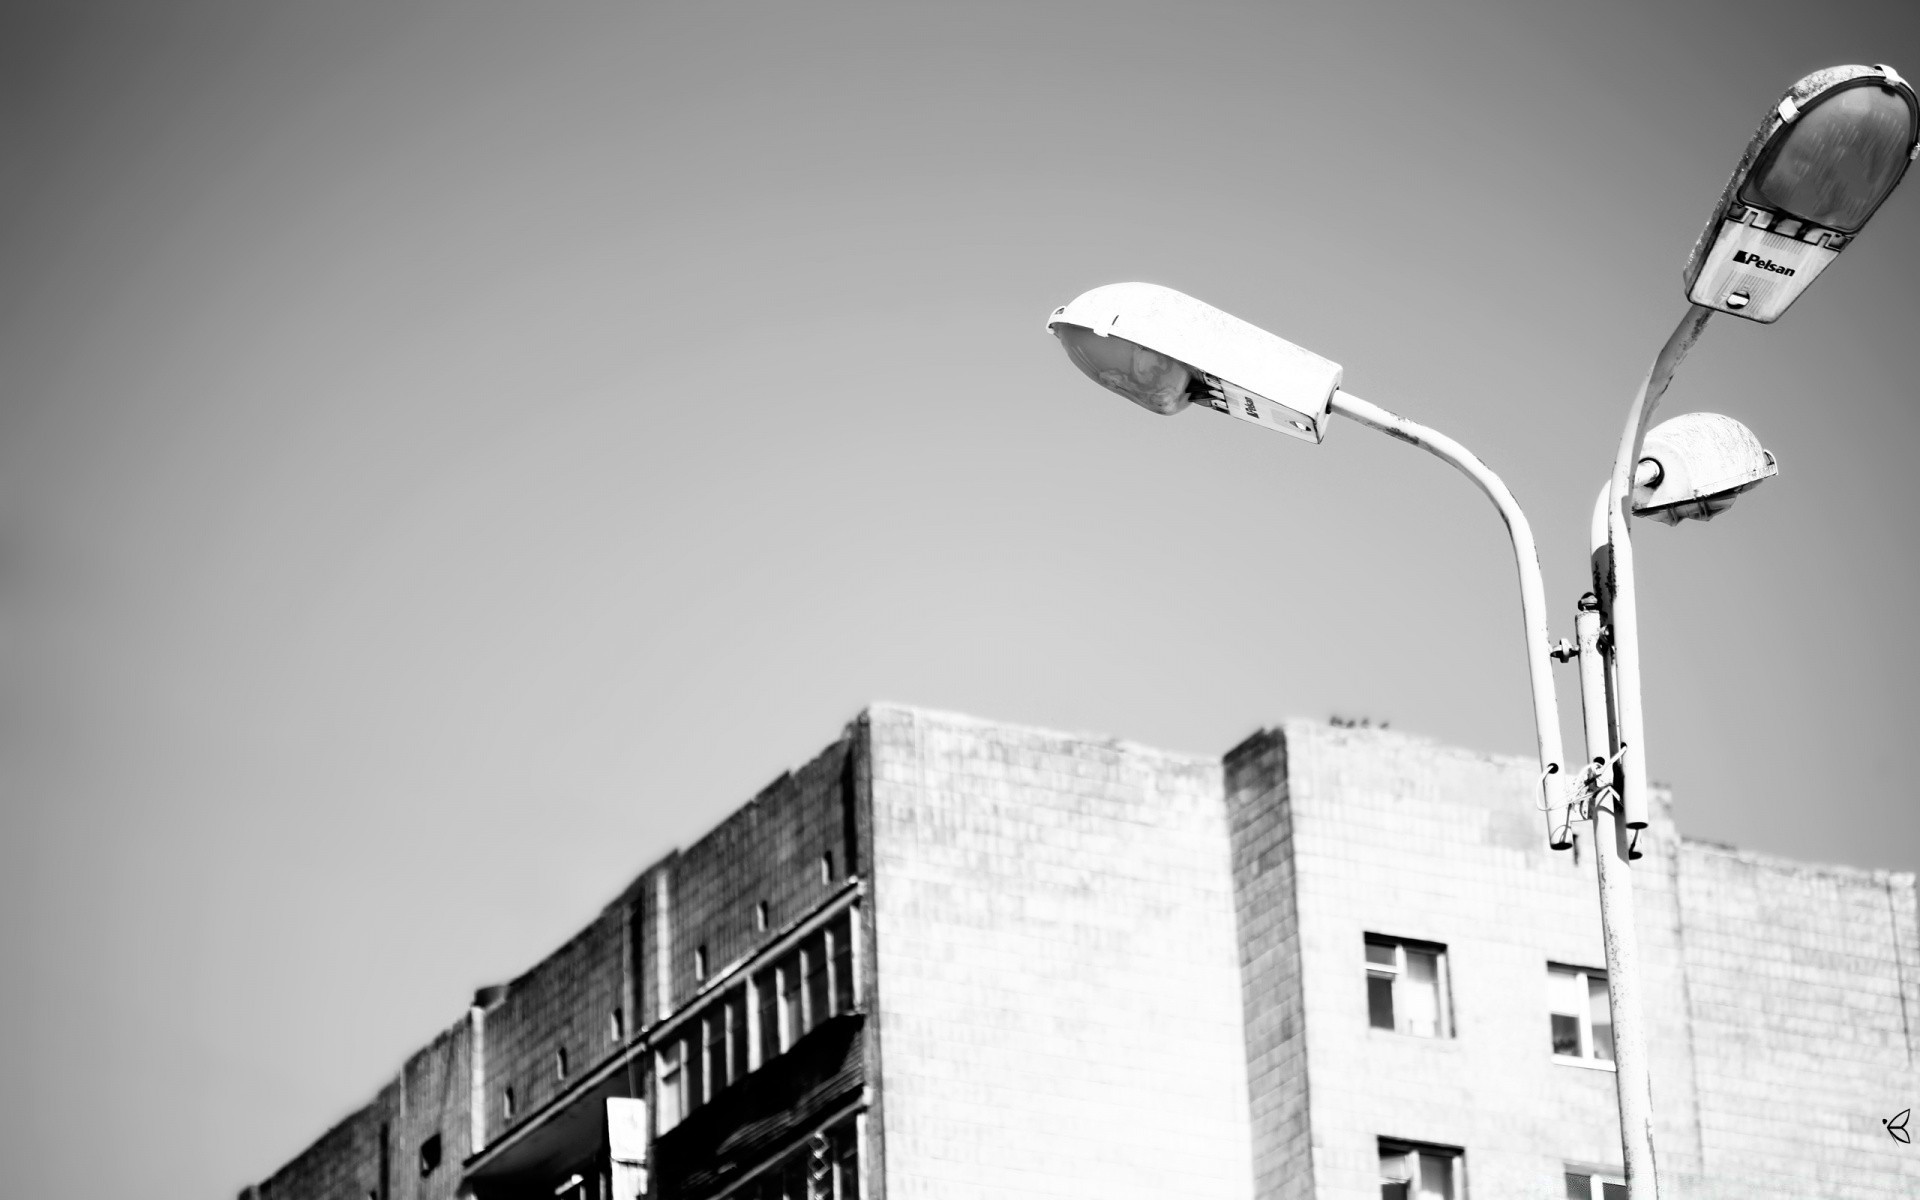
432,1101
1059,993
1805,997
429,1098
769,851
1397,836
566,1001
343,1162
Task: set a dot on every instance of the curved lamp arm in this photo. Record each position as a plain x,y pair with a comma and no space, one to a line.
1533,594
1613,571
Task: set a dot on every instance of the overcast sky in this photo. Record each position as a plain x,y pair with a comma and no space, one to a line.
451,455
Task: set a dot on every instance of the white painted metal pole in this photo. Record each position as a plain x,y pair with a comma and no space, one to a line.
1632,1080
1613,578
1533,595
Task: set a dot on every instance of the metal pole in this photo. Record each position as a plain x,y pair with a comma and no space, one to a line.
1613,579
1631,1079
1526,559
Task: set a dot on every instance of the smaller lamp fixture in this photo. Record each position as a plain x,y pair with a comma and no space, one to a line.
1163,350
1696,465
1817,168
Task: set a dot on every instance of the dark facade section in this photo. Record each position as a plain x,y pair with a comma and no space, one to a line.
405,1145
558,1021
513,1099
1260,829
431,1131
345,1161
788,850
747,1126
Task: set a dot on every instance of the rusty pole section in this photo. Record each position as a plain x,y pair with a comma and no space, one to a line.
1613,580
1533,593
1632,1082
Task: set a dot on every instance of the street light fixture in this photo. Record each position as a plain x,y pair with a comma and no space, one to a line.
1819,165
1695,466
1165,350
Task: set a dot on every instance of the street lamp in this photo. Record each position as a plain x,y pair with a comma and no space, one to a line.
1695,466
1825,158
1819,165
1165,350
1821,162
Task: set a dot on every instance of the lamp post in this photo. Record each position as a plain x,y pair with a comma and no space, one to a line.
1821,163
1691,467
1166,351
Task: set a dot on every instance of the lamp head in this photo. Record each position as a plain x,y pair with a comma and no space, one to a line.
1701,463
1819,165
1164,350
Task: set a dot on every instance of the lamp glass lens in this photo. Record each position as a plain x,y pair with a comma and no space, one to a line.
1146,377
1836,163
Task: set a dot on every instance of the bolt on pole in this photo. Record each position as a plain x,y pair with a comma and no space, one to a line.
1631,1079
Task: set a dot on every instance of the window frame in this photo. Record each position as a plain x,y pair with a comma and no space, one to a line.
1454,1156
759,1007
1396,974
1598,1179
430,1154
670,1085
1583,978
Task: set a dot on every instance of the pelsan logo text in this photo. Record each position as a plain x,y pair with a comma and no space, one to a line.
1764,264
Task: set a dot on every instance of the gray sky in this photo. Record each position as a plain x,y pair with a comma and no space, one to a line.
450,455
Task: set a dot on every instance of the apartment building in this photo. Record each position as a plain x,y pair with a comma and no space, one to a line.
953,958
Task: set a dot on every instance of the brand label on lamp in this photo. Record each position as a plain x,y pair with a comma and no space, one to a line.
1763,264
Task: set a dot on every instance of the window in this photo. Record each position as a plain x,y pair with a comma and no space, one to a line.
736,1034
1598,1186
1581,1013
616,1026
826,1167
760,916
768,991
790,1024
1412,1171
694,1067
826,867
810,983
429,1155
712,1032
560,1062
669,1097
840,938
1407,987
817,993
506,1104
700,963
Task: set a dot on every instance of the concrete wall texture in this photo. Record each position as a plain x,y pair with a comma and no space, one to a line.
1094,968
1059,989
1806,1013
